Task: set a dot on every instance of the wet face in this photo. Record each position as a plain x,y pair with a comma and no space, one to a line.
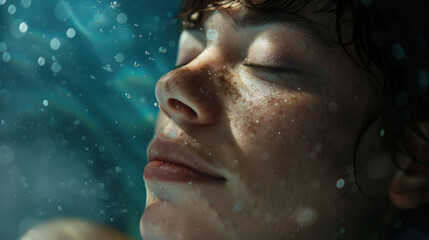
275,109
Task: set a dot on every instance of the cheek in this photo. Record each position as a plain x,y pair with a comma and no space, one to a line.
292,143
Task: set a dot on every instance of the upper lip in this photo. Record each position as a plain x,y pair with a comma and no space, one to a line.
168,150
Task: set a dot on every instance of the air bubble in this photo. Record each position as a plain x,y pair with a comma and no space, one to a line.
122,18
6,57
118,169
11,9
2,2
62,10
119,57
41,61
56,67
107,67
25,3
55,44
45,103
3,46
23,27
70,33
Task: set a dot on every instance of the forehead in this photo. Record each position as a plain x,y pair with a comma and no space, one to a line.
310,21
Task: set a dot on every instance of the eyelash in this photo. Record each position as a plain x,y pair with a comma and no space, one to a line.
266,69
269,69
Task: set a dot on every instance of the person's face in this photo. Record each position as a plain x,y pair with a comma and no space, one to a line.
274,111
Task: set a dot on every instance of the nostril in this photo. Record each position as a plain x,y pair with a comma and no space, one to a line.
178,106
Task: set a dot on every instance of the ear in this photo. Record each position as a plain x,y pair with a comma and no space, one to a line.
410,189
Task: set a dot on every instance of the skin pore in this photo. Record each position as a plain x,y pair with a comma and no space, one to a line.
276,112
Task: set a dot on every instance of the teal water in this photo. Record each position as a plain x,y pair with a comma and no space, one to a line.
77,107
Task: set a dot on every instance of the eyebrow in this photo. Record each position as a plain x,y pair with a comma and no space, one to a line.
253,19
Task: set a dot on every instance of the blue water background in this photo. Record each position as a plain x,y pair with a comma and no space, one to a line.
74,130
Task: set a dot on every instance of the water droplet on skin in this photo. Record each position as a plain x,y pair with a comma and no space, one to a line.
172,133
305,216
212,34
340,183
238,206
382,132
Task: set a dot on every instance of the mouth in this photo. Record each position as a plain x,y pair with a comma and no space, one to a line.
170,161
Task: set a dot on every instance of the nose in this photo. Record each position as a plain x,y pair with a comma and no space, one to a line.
189,95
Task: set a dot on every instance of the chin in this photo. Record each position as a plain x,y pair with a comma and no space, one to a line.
165,221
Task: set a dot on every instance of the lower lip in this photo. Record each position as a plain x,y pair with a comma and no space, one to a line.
169,172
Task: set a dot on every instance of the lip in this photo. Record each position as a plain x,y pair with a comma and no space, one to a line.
170,161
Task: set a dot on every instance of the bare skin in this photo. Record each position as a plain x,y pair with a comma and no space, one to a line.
283,139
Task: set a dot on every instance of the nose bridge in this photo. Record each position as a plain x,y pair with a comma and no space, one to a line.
190,93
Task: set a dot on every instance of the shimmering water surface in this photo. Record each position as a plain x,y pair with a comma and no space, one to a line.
77,107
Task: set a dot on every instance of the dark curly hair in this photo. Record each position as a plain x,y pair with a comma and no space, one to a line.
391,35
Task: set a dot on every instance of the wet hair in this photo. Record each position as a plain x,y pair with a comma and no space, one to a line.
391,35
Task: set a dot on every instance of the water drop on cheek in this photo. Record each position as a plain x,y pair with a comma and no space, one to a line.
212,34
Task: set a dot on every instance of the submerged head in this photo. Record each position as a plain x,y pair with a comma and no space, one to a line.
294,115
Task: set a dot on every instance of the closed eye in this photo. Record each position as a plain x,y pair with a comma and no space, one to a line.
271,69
